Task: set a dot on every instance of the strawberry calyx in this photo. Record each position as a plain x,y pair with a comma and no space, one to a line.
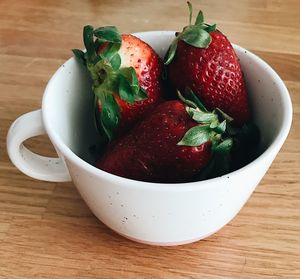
232,146
212,125
196,35
104,64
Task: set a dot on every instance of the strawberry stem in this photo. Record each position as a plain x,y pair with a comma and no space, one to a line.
196,35
186,101
190,12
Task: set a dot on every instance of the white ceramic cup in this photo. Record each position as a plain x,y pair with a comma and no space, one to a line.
152,213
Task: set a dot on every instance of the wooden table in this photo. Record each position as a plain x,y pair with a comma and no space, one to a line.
47,231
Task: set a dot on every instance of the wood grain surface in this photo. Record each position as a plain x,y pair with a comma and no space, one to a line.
47,231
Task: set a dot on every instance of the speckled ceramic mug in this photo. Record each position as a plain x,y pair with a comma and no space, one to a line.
152,213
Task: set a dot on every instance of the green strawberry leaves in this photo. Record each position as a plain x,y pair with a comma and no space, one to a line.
130,75
125,90
171,52
80,55
199,18
196,136
224,147
129,89
108,34
210,28
196,35
110,114
88,39
221,128
220,162
212,126
115,61
200,116
193,98
232,147
110,54
111,40
104,64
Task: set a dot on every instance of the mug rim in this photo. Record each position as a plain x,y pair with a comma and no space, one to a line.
273,148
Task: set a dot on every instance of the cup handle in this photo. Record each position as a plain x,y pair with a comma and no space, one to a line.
40,167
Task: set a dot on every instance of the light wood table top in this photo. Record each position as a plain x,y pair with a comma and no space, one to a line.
47,231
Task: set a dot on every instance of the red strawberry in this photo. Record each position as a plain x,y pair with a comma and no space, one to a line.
173,144
126,77
203,59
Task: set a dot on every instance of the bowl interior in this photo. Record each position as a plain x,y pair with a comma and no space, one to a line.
266,95
68,104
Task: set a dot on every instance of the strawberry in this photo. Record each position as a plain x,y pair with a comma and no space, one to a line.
126,77
203,59
173,144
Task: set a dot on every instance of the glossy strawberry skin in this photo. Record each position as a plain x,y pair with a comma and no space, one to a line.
213,74
150,151
148,65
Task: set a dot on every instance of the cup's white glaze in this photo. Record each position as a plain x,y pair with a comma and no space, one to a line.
161,214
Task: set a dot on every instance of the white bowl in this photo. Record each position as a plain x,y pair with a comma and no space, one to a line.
152,213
